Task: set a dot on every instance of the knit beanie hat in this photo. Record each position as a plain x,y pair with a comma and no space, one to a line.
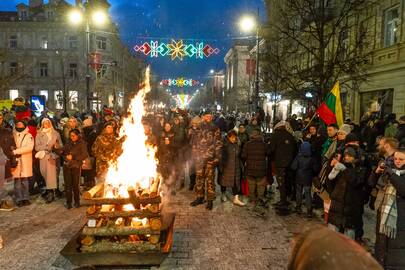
351,152
88,122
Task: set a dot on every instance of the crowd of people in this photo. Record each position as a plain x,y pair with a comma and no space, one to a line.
305,164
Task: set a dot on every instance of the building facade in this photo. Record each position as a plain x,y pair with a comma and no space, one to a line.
239,77
43,53
382,25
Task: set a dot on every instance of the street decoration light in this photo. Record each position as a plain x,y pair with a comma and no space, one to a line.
180,82
98,17
176,49
248,24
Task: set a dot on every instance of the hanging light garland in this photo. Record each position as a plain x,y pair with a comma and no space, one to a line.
180,82
176,49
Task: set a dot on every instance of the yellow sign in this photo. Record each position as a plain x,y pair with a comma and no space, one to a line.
7,103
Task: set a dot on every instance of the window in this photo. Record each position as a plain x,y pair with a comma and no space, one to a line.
13,68
73,42
73,70
44,43
44,93
58,97
73,99
101,43
391,29
12,42
43,69
13,94
24,15
344,43
50,15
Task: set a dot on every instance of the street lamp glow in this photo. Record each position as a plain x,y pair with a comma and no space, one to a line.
247,24
99,17
212,71
75,17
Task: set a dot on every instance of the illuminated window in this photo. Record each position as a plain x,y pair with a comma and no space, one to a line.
44,93
44,43
58,97
73,100
13,94
391,28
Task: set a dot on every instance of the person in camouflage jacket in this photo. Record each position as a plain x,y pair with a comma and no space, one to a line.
106,149
209,147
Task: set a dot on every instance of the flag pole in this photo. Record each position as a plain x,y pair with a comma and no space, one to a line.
310,121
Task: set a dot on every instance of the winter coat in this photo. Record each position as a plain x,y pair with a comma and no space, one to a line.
346,201
48,165
208,144
304,165
167,153
105,149
254,156
78,150
6,143
90,136
250,128
230,166
243,138
401,135
394,249
316,145
25,144
283,148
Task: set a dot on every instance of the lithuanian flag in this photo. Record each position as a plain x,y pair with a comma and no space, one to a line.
330,111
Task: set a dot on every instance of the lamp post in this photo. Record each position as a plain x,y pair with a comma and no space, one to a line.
248,24
98,17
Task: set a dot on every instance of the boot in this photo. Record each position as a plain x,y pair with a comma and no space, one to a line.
237,202
210,204
309,213
223,197
197,201
50,197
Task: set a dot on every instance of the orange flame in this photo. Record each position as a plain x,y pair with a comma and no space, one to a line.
136,166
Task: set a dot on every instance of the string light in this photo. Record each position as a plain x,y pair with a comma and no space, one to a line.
179,82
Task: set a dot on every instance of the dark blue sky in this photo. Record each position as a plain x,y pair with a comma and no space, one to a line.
213,21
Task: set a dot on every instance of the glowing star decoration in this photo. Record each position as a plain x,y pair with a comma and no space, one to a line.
180,82
176,49
182,100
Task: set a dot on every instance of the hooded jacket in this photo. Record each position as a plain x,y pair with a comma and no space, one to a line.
304,165
24,146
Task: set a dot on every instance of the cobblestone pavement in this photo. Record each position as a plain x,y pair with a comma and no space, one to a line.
229,237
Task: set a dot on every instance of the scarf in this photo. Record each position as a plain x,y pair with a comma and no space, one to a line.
389,213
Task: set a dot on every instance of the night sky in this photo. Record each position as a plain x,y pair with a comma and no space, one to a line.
211,21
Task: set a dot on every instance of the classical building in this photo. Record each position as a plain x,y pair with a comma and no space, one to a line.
381,25
44,52
239,76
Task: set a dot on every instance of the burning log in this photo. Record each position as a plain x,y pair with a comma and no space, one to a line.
154,189
154,239
120,247
125,214
93,191
134,198
117,230
91,210
88,240
120,201
155,224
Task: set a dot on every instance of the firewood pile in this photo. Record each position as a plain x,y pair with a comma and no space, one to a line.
122,224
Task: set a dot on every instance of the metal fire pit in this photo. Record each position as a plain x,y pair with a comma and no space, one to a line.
72,251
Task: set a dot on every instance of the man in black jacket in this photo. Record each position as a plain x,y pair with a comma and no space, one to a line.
283,149
7,145
401,131
254,156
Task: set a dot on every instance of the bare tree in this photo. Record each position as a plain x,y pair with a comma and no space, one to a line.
312,43
11,72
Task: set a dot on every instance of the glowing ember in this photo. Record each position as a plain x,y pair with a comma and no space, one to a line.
136,166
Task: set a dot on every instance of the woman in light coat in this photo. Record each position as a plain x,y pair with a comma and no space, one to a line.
47,139
23,152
